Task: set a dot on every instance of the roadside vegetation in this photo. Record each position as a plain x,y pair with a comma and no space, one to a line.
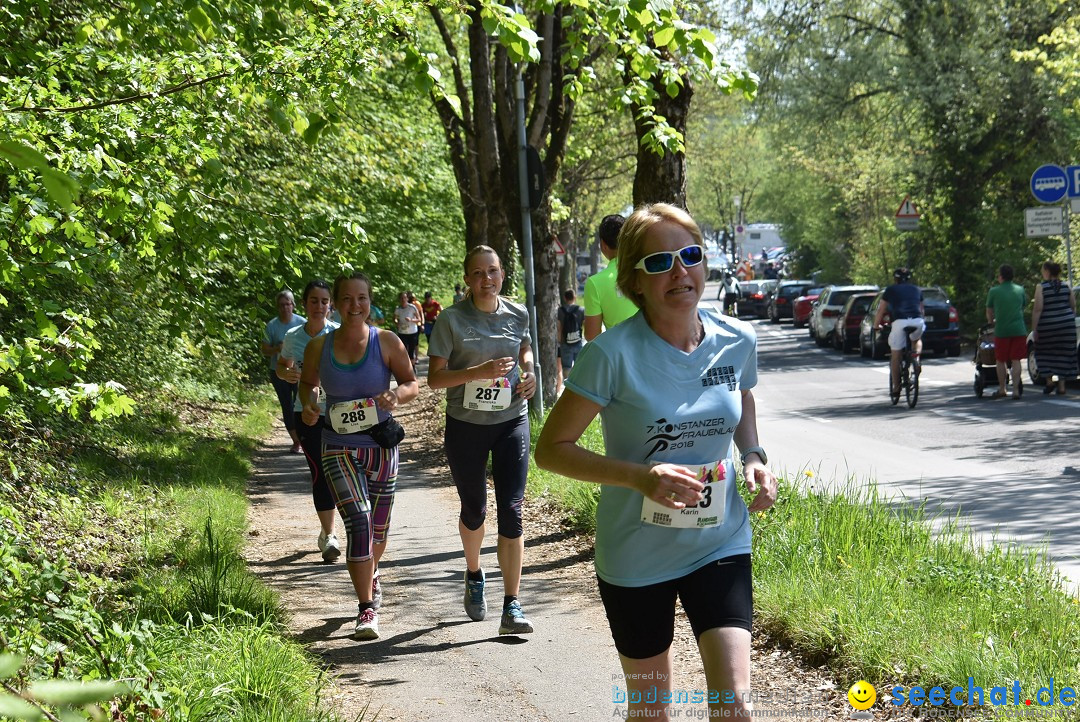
120,551
881,590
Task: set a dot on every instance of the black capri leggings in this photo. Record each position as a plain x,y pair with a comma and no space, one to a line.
286,394
467,448
311,443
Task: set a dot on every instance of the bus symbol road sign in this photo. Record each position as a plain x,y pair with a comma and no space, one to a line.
1049,183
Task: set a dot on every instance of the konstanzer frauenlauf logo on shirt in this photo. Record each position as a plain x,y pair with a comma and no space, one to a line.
664,435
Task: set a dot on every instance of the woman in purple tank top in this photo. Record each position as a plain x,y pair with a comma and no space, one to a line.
353,364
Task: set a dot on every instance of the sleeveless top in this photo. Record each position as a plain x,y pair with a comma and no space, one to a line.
366,378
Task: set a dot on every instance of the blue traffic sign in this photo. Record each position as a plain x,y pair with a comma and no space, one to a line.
1073,172
1048,183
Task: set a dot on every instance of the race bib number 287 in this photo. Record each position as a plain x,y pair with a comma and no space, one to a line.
488,395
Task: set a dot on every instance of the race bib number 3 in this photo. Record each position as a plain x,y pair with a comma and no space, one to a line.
350,417
707,513
488,395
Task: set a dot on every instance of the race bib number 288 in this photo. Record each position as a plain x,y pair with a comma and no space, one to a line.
350,417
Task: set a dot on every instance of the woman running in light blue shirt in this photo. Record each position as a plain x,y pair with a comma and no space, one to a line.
672,386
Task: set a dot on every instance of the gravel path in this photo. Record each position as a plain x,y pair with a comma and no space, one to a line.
431,661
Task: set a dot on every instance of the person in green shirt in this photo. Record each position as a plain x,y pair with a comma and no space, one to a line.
1005,309
604,304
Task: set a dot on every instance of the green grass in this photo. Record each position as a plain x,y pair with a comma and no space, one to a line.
879,590
149,583
578,498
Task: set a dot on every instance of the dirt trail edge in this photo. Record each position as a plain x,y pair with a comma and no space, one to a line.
431,661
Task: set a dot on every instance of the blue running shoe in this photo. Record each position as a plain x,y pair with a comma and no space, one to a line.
475,602
514,621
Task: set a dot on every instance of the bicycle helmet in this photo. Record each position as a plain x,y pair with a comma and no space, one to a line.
901,275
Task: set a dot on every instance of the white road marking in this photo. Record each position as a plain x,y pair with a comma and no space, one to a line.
800,414
1062,402
960,415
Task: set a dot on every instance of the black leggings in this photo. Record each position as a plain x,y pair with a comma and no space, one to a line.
467,449
286,394
311,443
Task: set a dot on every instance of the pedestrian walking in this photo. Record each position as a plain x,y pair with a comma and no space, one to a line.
273,338
1054,320
1005,309
316,300
670,521
605,305
353,364
481,353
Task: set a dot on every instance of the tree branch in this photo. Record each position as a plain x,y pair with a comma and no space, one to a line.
127,99
455,64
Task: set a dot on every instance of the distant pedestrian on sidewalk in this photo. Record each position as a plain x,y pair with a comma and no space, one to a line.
432,309
672,386
481,354
354,364
407,319
569,321
605,305
273,337
1054,320
316,300
1005,309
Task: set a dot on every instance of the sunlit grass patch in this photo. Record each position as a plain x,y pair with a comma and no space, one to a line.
881,591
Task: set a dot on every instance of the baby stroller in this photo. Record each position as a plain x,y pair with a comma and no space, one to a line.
986,362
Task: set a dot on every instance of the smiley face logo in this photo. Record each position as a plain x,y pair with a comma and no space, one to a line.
862,695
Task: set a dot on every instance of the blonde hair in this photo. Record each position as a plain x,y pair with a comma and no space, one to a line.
632,241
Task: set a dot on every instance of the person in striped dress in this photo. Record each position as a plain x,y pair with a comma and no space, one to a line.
1054,320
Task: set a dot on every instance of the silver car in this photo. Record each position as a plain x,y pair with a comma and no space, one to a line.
827,310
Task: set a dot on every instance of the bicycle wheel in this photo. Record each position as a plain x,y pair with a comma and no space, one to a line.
894,395
911,386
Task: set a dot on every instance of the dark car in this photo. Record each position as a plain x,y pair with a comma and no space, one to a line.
942,333
753,297
846,335
782,299
803,305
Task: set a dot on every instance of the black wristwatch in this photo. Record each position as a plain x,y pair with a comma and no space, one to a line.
755,450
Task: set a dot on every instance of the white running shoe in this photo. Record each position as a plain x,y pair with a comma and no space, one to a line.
329,546
367,625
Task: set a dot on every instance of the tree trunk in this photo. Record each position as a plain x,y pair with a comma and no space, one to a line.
662,178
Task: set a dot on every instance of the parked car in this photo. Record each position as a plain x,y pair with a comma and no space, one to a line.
782,299
752,297
942,333
828,307
846,334
718,263
803,305
1033,368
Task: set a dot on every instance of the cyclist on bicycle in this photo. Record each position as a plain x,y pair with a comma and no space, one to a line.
903,301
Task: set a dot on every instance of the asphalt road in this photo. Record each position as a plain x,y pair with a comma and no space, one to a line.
1008,466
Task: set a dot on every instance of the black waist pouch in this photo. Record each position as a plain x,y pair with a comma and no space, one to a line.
388,433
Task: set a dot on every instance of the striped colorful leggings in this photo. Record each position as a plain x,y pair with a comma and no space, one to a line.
363,480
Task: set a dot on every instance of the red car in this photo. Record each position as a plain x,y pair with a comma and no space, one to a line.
803,305
846,335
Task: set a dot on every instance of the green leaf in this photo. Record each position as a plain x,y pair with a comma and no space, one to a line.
15,708
664,36
201,21
62,188
22,156
280,119
10,664
70,693
315,127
